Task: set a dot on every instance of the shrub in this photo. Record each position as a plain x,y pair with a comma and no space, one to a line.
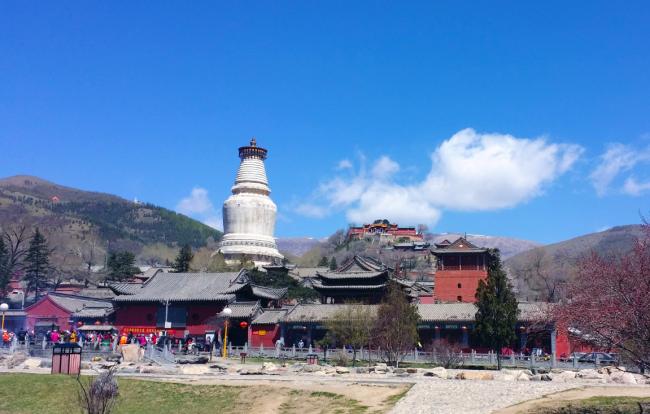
98,395
445,353
341,358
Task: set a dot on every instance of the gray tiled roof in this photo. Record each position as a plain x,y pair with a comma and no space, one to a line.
447,312
93,313
307,271
74,303
244,309
313,313
125,288
270,317
269,293
350,275
189,287
439,312
318,285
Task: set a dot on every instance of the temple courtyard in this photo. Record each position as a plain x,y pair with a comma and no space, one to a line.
227,386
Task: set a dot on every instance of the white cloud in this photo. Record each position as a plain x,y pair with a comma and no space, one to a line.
344,164
618,158
634,188
215,222
199,206
492,171
197,202
469,171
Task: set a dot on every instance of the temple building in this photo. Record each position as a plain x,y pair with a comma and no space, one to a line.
184,303
460,265
382,232
362,280
249,214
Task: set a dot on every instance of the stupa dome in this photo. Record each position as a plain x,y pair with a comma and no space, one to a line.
249,214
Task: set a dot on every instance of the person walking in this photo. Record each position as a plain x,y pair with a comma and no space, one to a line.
73,337
5,339
143,341
54,337
301,345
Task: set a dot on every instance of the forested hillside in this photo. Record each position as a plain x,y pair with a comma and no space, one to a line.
78,213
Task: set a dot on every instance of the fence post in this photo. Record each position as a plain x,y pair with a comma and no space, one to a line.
512,358
415,354
293,350
44,342
532,360
310,349
575,362
472,356
261,349
230,348
115,344
597,361
246,348
277,349
553,361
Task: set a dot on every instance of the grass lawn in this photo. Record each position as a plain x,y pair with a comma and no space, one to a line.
596,405
56,394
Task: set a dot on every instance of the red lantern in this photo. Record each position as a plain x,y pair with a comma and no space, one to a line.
243,324
522,328
98,323
79,323
464,328
437,328
304,328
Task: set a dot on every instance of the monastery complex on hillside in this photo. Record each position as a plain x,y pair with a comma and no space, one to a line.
182,304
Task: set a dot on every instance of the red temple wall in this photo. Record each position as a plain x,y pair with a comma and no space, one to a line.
46,310
269,339
136,316
446,284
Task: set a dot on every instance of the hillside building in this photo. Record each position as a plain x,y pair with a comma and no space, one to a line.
382,232
460,265
249,214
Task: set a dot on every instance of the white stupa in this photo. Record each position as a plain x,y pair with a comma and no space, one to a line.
249,213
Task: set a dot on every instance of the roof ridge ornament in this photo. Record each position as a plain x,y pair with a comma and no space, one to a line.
253,144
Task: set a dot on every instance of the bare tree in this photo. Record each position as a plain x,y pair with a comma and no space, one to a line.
352,325
16,237
423,269
422,228
337,239
98,395
91,251
429,237
544,273
396,327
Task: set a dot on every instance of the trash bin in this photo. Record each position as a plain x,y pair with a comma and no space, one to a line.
66,358
312,359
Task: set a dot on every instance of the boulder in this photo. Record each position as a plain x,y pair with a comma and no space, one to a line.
381,370
342,370
503,377
556,371
536,377
233,370
151,370
621,377
468,375
32,363
412,370
16,359
439,372
269,366
251,371
590,374
191,359
542,371
130,352
114,358
363,370
547,377
523,377
564,377
195,370
514,372
399,371
312,368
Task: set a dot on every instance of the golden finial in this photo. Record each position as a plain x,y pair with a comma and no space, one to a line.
253,142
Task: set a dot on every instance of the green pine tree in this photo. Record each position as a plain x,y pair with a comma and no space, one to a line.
497,312
323,262
121,266
37,264
333,264
5,272
185,256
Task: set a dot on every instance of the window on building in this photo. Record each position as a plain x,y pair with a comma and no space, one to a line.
459,286
177,316
460,298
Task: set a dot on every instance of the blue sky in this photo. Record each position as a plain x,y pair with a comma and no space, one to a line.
499,118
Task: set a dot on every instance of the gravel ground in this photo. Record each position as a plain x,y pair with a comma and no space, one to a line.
471,397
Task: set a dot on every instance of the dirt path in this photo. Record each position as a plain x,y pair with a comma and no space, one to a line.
559,398
285,393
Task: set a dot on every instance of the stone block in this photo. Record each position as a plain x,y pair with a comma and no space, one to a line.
412,370
195,370
469,375
269,366
32,363
342,370
399,371
130,352
621,377
191,359
523,377
312,368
